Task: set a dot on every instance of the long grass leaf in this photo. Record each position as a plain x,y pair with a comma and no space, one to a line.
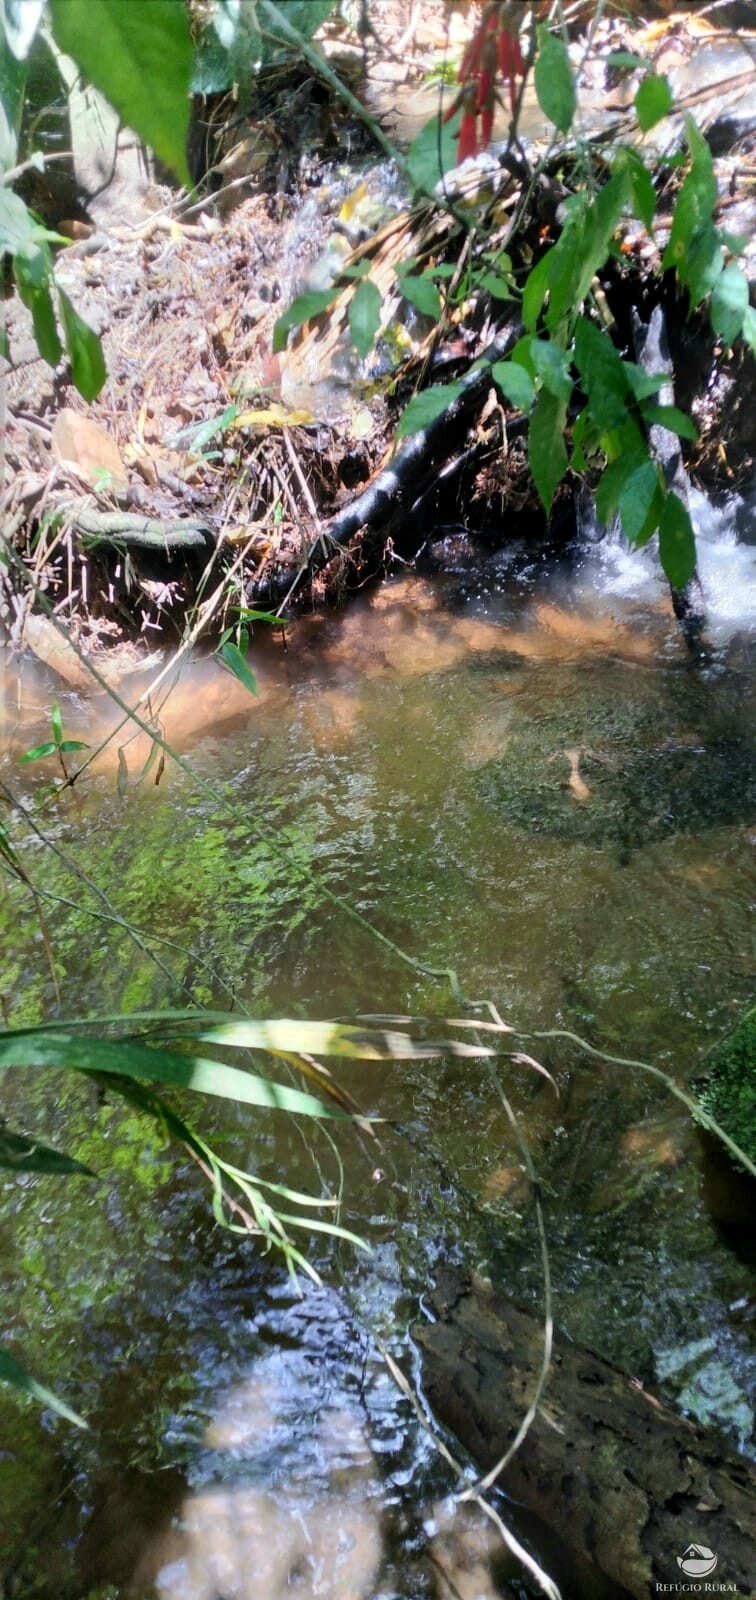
184,1071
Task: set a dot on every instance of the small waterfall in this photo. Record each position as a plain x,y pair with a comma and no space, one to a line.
726,543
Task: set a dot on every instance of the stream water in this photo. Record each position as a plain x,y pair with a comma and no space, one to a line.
510,768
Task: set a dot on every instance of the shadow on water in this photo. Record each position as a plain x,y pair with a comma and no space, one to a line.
519,774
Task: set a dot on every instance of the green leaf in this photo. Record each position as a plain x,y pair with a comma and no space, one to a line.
693,241
552,365
232,657
729,302
640,503
200,1073
433,153
139,55
515,383
38,752
583,246
67,746
642,188
425,407
546,448
536,290
677,544
4,344
13,1373
423,295
625,58
672,418
499,288
653,101
749,328
301,310
643,384
84,350
365,316
602,374
19,1154
626,448
38,301
554,80
56,721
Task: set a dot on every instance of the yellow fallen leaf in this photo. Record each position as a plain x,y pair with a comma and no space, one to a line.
273,417
352,201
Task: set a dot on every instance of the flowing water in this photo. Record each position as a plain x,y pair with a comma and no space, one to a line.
511,768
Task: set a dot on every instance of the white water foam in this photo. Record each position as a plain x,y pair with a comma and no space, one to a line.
726,562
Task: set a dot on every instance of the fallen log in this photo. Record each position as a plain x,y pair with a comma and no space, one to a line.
618,1477
399,486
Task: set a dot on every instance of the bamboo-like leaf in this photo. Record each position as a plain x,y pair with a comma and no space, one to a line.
12,1372
332,1039
232,658
184,1071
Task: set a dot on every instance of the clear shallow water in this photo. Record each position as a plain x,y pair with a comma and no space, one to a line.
516,772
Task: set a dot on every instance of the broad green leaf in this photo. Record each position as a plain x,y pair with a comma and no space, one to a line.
232,657
12,1372
626,449
546,448
554,80
19,21
703,266
425,407
422,294
552,365
39,752
67,746
673,418
56,722
583,246
515,383
19,1154
499,288
602,374
585,441
640,503
184,1071
39,302
365,316
84,350
749,328
729,302
642,188
644,384
433,153
692,228
653,101
301,310
139,55
677,544
536,290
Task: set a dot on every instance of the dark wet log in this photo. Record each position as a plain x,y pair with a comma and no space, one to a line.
652,351
398,487
623,1481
